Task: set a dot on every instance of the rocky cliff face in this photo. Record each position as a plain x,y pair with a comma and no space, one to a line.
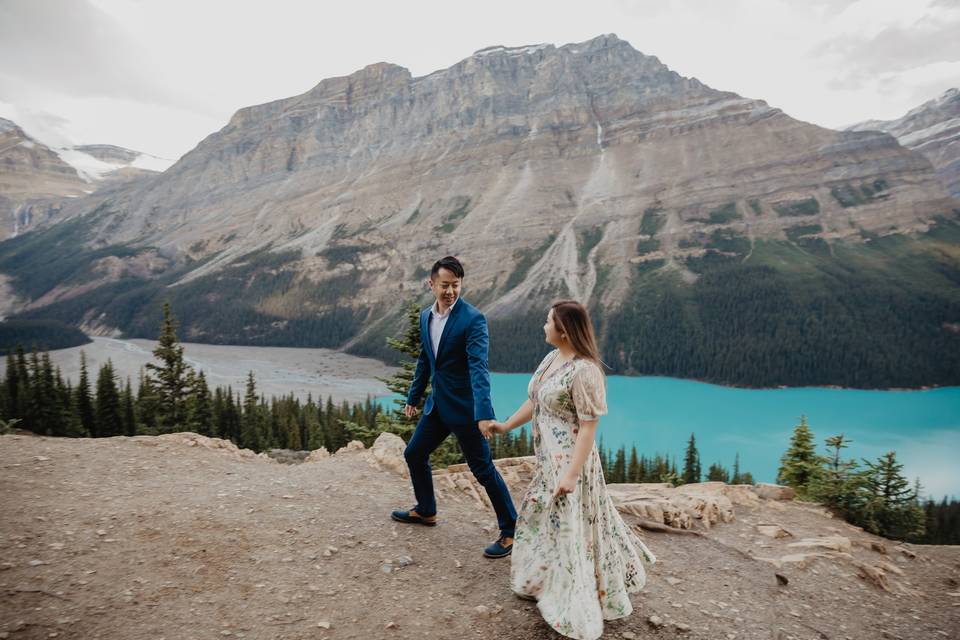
33,181
585,170
516,148
932,129
40,185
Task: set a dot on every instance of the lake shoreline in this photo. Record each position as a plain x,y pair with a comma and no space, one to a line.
388,369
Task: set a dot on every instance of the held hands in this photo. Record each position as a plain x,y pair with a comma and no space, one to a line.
487,427
490,427
410,410
565,485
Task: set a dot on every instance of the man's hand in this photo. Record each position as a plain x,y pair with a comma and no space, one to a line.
486,427
410,410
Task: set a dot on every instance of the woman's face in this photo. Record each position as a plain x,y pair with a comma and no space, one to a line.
551,333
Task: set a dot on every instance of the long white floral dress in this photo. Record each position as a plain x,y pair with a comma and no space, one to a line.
574,555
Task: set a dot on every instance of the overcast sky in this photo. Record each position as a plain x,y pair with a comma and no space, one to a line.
160,75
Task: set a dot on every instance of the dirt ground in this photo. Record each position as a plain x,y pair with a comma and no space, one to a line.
140,538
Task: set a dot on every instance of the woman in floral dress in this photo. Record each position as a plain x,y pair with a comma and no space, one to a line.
572,552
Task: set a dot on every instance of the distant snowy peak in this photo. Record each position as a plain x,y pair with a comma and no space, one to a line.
510,50
95,162
933,129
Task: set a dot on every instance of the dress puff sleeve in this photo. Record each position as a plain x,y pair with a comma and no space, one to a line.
589,392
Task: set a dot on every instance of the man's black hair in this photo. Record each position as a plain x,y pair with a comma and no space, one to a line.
449,263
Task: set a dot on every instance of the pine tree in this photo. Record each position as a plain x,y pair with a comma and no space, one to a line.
736,478
23,379
800,466
840,486
619,472
311,418
48,412
169,378
409,345
233,416
11,405
329,420
250,434
147,404
892,509
691,463
634,470
84,400
129,411
604,463
717,473
33,400
293,434
107,413
200,413
67,408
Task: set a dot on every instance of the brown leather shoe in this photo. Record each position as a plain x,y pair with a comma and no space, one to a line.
412,517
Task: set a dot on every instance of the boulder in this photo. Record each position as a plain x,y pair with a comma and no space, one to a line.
769,491
387,454
353,445
317,454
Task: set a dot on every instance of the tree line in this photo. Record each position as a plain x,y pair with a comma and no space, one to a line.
171,396
874,495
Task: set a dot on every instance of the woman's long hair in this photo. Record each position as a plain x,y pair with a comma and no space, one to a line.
571,318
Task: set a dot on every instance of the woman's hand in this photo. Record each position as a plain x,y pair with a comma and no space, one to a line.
499,427
566,485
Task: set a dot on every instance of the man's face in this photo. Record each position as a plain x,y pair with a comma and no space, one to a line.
446,287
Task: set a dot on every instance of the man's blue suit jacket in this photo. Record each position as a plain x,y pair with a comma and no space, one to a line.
461,380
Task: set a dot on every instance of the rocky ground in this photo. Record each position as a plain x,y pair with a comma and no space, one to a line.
155,537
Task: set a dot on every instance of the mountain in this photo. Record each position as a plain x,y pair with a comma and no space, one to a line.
97,162
38,181
712,235
32,179
932,129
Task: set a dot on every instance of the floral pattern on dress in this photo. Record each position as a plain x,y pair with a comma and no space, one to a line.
575,554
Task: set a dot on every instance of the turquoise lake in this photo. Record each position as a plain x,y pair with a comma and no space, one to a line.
658,414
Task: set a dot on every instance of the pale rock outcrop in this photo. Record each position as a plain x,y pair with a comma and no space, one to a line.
387,453
769,491
353,445
698,505
317,455
191,439
834,543
689,506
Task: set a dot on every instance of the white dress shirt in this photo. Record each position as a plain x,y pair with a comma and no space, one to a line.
437,322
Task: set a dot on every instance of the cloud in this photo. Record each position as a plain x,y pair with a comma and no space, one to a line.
74,49
49,129
898,49
865,48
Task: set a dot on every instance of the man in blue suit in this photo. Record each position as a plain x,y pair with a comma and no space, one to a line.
453,352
